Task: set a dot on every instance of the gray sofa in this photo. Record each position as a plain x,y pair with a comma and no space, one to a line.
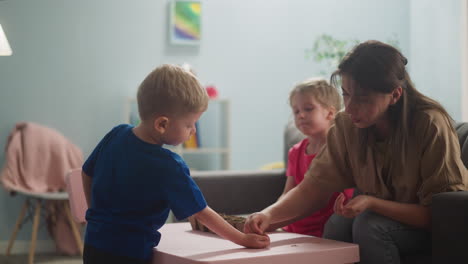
245,192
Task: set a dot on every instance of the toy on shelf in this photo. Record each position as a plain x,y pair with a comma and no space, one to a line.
212,91
194,140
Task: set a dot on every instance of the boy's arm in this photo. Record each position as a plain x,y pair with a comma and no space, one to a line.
218,225
86,187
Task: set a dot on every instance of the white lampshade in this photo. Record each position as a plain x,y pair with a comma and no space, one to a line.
5,49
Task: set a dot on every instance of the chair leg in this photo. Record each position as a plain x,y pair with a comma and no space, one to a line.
17,228
36,220
74,227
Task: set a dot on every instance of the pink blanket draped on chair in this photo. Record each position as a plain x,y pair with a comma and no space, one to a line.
37,159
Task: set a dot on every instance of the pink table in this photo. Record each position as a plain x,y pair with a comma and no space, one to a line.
180,245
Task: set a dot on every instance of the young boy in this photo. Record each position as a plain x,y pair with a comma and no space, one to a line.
131,182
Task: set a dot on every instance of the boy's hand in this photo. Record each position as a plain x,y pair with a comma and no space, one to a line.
218,225
255,241
256,223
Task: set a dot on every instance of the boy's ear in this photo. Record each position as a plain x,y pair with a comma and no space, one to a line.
160,124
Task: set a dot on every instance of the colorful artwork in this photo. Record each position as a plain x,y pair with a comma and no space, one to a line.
185,22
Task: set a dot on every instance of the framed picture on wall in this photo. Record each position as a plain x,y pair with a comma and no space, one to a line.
185,22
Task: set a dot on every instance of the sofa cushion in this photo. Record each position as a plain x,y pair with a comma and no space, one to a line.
240,192
449,227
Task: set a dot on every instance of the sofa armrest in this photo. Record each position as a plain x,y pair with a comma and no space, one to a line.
450,227
240,192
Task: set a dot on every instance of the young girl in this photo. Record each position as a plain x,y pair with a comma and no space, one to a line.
396,145
314,104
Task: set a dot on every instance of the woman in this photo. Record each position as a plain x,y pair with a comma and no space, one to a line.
394,144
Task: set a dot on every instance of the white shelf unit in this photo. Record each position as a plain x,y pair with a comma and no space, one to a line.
214,152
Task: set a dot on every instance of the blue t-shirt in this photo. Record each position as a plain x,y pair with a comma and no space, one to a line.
134,185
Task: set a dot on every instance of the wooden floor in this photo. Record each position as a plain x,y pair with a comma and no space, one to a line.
41,259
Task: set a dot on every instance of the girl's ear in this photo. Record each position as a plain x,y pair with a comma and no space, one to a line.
160,124
396,94
331,113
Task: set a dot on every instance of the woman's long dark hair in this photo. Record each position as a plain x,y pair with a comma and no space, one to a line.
379,67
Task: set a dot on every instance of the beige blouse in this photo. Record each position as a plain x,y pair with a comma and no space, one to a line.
433,162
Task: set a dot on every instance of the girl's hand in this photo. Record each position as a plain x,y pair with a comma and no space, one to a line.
255,241
355,206
256,223
339,204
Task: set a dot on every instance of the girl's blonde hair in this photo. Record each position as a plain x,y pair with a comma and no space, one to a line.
379,67
321,90
170,90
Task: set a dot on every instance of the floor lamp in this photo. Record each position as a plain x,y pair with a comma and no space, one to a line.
5,49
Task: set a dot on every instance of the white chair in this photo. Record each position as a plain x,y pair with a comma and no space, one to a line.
32,207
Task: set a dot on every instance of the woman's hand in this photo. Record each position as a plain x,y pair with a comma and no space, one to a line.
257,223
354,206
255,241
410,214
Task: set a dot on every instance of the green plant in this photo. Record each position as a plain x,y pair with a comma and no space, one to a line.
329,50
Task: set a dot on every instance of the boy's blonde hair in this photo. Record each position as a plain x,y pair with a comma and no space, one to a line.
170,90
321,90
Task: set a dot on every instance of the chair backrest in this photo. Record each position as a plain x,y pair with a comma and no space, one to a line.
78,205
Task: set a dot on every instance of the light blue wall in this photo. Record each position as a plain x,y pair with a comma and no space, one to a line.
74,63
435,53
254,52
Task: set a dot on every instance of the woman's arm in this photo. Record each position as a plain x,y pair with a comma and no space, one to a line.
86,187
411,214
289,185
328,173
298,203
